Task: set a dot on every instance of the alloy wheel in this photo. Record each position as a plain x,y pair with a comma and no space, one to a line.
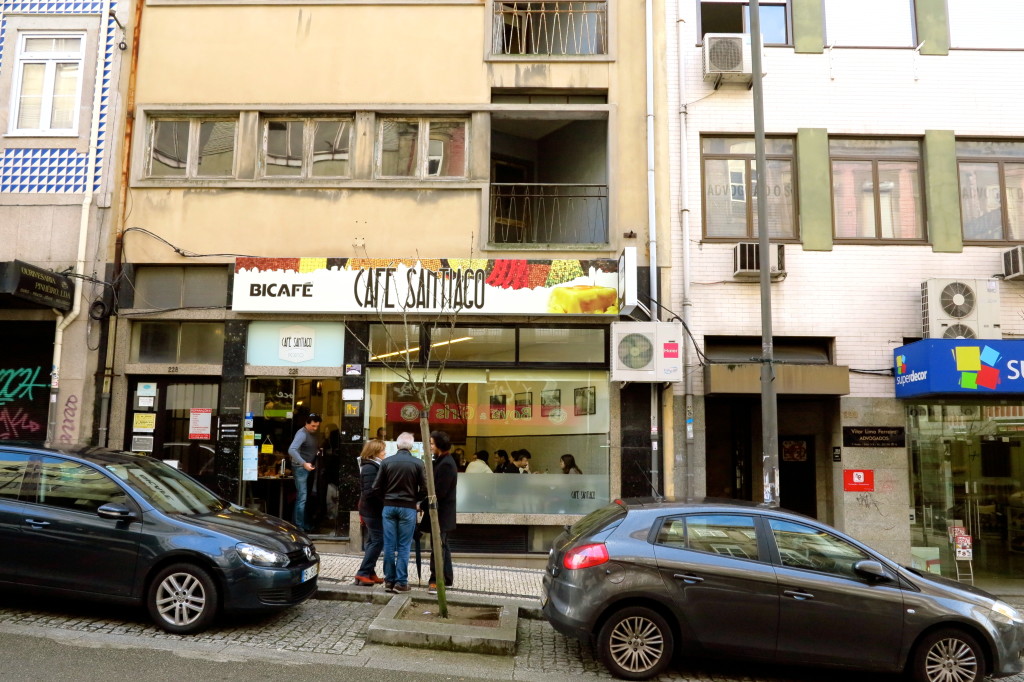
951,660
181,599
636,644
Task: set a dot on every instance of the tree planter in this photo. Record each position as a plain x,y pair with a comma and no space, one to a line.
477,628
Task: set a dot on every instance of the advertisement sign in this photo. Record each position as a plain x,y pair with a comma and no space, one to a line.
199,419
874,436
964,547
974,367
859,480
296,343
476,286
31,283
144,421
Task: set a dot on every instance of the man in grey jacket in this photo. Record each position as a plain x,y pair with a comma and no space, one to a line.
401,484
303,452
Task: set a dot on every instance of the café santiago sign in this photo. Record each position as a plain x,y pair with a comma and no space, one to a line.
467,286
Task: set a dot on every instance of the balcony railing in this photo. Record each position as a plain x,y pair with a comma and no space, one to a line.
548,213
550,27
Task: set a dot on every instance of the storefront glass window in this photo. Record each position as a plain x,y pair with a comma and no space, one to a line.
967,471
549,413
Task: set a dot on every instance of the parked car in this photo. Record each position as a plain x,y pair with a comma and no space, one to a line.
116,526
647,579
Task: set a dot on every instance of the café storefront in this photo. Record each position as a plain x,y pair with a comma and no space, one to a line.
964,402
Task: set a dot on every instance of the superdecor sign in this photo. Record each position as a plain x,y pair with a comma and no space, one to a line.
959,366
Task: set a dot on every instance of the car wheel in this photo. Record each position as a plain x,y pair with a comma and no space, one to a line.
635,643
182,599
948,656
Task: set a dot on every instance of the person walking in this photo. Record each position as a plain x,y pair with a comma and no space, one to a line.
371,511
400,485
303,451
446,480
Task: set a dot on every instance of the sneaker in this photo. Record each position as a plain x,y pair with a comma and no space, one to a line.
432,589
401,588
389,587
363,581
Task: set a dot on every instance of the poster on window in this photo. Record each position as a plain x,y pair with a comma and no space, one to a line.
199,419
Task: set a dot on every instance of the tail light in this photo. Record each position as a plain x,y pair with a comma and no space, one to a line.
586,556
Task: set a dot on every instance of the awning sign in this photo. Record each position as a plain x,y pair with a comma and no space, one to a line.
31,283
972,367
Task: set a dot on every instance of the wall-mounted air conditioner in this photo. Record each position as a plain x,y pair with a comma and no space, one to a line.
746,261
726,57
1013,263
647,351
960,309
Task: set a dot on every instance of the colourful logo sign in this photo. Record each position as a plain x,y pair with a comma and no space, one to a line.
977,366
901,365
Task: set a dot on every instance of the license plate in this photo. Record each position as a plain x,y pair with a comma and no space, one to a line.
310,572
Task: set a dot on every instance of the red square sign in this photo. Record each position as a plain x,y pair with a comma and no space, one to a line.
671,350
859,480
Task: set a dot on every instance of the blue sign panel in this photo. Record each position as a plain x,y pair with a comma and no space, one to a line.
973,367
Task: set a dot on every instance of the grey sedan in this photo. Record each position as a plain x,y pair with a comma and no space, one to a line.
648,579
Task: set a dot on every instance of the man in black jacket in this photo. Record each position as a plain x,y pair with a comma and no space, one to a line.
446,478
401,484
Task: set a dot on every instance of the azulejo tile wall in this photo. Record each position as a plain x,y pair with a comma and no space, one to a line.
59,169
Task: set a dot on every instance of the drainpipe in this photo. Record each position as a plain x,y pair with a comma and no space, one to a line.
687,304
63,321
652,232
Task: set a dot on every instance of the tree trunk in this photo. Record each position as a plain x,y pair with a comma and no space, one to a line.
436,555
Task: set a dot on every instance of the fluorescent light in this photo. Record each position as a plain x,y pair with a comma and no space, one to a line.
417,348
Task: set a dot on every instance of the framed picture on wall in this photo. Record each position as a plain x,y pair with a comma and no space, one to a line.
497,407
550,401
524,405
585,401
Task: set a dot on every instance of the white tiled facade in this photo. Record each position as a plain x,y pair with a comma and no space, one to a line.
867,297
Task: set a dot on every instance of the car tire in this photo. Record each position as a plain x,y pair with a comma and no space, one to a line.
635,643
948,656
182,599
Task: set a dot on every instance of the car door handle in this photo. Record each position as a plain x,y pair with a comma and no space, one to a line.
798,595
37,524
688,578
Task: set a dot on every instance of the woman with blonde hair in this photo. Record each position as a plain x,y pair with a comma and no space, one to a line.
371,511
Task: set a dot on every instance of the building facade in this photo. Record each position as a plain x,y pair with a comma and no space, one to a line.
317,211
892,195
60,65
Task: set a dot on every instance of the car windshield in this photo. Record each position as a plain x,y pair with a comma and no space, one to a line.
166,488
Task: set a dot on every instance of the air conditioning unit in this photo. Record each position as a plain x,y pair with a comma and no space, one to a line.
746,261
647,351
960,309
726,57
1013,263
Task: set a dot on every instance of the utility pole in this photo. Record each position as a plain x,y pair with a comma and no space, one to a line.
769,407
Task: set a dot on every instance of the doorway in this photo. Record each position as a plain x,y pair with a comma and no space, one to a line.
796,474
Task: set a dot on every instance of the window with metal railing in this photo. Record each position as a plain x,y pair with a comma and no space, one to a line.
549,213
550,27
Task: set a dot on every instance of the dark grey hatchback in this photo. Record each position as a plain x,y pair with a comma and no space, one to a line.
647,579
116,526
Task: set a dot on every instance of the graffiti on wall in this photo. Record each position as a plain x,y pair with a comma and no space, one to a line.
25,381
68,426
20,383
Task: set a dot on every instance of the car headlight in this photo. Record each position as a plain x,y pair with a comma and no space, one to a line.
1005,613
260,556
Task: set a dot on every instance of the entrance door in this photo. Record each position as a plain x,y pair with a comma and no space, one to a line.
796,474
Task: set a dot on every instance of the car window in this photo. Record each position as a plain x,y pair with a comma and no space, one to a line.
70,485
813,549
732,535
12,471
166,488
598,520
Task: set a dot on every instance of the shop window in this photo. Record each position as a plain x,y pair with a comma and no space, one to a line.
307,147
730,204
991,189
876,188
421,148
177,342
473,344
47,84
562,344
986,24
172,287
733,16
391,343
891,24
192,148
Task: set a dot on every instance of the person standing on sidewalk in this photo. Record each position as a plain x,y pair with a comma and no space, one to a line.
400,484
371,511
446,479
303,451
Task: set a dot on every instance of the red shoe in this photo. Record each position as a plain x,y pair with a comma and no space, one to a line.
364,581
377,580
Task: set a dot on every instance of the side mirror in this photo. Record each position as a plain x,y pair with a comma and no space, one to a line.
872,570
115,512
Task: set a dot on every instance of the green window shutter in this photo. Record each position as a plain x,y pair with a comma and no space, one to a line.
942,191
808,26
932,26
815,189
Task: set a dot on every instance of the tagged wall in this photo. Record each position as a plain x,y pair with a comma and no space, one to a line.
24,380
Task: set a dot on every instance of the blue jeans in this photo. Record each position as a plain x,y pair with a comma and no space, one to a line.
374,546
399,524
301,487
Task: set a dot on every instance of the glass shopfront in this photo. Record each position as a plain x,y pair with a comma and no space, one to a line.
967,470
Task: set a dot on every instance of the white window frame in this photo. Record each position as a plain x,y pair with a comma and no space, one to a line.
50,60
423,154
192,160
308,128
868,30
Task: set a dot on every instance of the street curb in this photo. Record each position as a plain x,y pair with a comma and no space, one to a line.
528,609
